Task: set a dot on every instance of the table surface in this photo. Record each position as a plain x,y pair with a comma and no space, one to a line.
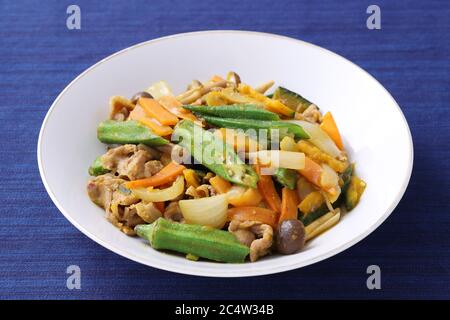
39,56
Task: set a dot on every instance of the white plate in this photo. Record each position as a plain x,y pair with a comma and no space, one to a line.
375,130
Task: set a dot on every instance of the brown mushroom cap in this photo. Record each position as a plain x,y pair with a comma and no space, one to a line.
290,236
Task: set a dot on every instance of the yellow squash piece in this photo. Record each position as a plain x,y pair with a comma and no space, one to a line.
270,104
215,98
312,202
319,156
191,178
220,184
354,192
243,197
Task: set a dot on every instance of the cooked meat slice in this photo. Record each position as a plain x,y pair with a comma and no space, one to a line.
125,219
135,168
155,154
147,211
122,227
151,167
120,108
244,236
123,199
202,191
115,159
173,212
104,191
260,247
171,152
101,188
260,241
132,162
167,148
129,217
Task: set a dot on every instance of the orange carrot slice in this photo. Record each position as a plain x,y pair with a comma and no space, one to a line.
167,175
289,202
156,127
267,189
175,107
259,214
153,109
312,171
137,113
329,126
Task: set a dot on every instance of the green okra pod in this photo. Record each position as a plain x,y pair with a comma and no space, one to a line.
285,128
235,111
195,240
123,132
213,153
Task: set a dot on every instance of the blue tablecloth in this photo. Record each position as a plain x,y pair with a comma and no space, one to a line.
39,56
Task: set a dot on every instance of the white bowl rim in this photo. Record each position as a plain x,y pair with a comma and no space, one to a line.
250,271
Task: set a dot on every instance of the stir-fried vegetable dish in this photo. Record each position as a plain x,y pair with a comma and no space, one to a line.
223,171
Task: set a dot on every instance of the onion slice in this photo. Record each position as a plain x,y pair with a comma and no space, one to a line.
159,89
279,159
210,211
160,195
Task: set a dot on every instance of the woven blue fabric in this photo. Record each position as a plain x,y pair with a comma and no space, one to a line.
39,56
